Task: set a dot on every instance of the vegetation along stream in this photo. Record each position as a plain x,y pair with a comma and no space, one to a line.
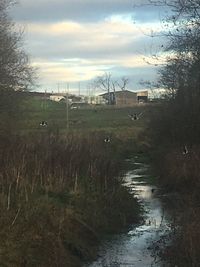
135,248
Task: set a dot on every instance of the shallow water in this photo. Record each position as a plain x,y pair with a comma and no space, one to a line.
133,248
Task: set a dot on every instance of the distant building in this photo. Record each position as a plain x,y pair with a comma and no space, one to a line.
142,96
57,98
121,98
125,98
75,98
95,100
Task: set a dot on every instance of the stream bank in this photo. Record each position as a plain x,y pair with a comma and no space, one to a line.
134,248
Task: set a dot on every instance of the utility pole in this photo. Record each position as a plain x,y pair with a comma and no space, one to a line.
89,98
79,88
45,100
67,105
58,88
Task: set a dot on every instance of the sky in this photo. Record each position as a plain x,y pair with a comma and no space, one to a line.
74,41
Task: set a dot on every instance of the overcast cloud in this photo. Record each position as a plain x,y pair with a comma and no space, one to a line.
82,10
73,41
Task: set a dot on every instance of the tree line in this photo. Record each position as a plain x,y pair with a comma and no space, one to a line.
175,128
15,70
16,73
180,76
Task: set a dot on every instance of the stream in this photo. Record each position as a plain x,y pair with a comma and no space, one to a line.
134,247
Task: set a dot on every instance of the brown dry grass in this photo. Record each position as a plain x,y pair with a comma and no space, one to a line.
58,196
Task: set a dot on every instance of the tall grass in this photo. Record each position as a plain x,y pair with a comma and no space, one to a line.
58,196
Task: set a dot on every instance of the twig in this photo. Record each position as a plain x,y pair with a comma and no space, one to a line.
16,216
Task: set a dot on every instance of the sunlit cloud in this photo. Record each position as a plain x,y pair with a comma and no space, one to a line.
72,41
62,72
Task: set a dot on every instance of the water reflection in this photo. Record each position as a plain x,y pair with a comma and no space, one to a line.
132,248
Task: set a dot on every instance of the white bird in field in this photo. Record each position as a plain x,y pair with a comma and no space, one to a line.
107,140
43,123
185,150
135,116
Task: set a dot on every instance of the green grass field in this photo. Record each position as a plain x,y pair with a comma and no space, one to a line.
103,118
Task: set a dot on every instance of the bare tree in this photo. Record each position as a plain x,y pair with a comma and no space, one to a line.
16,74
15,70
122,83
110,85
180,75
105,83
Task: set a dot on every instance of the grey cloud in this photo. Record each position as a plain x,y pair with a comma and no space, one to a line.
85,10
136,74
79,10
70,46
148,13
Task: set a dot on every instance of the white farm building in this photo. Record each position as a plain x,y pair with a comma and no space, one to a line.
57,98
